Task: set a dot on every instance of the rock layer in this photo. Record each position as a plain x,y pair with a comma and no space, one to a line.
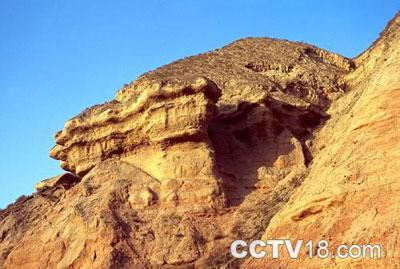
262,138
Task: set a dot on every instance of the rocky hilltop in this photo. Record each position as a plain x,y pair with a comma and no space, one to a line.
261,139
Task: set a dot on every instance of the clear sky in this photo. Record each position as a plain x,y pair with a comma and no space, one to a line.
59,57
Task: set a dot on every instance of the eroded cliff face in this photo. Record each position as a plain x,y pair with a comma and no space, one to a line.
262,138
351,194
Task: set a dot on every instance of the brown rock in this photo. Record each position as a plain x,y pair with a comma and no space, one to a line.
66,179
263,138
352,192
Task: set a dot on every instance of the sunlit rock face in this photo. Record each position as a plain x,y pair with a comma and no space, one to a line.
240,113
260,139
351,195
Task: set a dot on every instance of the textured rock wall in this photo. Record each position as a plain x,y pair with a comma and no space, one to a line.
352,192
198,122
163,132
262,138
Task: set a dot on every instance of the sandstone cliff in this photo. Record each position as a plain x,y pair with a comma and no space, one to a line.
352,191
262,138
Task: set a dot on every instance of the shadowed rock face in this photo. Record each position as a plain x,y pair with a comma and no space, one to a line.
262,138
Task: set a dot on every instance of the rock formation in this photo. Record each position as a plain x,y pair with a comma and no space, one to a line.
351,194
263,138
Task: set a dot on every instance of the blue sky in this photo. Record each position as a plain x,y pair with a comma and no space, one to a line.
59,57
